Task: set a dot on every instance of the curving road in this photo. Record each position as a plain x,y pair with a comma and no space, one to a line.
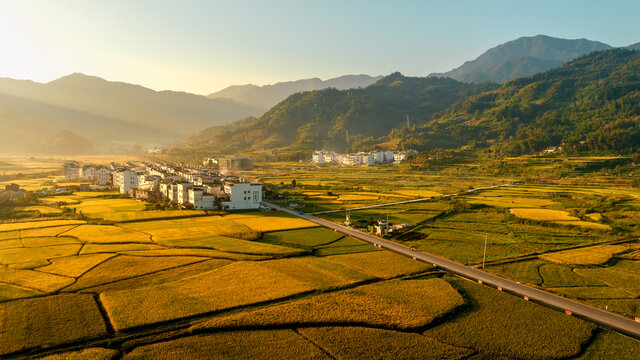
603,318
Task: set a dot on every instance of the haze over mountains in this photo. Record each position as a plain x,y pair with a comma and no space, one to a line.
269,95
93,114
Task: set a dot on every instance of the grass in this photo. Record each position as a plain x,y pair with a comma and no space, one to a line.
542,214
593,255
38,224
393,304
34,280
10,292
74,266
526,271
611,345
89,353
19,255
29,323
382,264
271,344
305,238
556,275
237,284
366,343
125,266
518,329
226,244
102,234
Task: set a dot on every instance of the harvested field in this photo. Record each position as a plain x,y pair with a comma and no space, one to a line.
268,344
365,343
28,323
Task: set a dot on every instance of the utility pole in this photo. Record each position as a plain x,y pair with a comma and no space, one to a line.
408,122
486,237
347,137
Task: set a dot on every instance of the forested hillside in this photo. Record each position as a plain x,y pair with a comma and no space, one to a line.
589,104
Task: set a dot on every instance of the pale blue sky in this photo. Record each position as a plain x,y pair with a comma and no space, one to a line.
204,46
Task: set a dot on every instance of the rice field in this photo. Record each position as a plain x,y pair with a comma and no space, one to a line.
542,214
593,255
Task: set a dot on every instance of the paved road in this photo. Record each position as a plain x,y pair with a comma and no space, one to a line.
597,316
410,201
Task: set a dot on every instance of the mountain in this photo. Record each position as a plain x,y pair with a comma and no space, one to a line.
269,95
635,46
590,104
111,115
522,57
65,142
327,118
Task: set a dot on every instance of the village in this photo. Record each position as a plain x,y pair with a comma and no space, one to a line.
187,186
360,159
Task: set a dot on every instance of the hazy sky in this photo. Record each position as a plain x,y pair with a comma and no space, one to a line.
204,46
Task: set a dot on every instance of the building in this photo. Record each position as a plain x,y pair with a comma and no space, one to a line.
103,175
242,195
182,193
89,172
200,199
127,179
71,170
12,187
236,163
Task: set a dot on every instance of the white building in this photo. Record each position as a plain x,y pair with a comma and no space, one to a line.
89,172
379,157
183,192
242,196
200,199
317,158
388,156
103,175
126,180
369,159
399,157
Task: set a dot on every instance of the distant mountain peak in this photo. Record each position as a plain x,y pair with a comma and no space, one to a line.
267,96
524,56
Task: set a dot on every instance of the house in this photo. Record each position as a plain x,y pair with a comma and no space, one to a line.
389,156
200,199
127,180
242,195
552,150
379,157
89,172
183,192
12,187
317,158
103,175
71,170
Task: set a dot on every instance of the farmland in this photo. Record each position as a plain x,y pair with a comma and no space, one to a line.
128,282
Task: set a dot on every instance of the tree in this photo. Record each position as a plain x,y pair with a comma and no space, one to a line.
293,183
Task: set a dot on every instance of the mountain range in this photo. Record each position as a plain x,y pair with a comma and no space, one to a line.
269,95
522,57
589,104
